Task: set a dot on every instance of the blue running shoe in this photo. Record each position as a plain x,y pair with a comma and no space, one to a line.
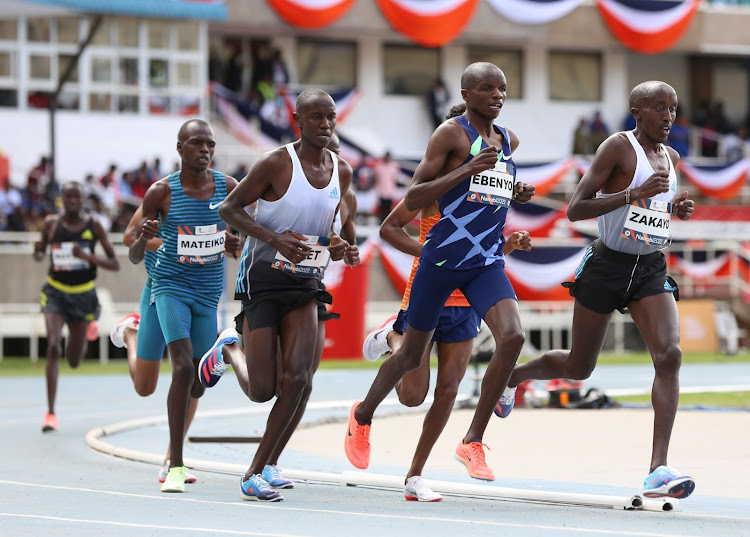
506,402
256,489
212,365
273,477
667,482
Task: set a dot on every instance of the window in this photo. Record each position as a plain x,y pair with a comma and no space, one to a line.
187,35
127,103
38,30
67,30
63,62
158,73
7,64
103,36
8,29
100,102
575,76
8,98
187,74
40,67
410,70
127,32
510,61
129,71
158,34
101,70
327,63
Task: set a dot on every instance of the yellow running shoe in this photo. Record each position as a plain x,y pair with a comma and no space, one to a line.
175,481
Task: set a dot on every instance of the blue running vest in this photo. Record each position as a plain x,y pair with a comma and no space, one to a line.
469,234
189,263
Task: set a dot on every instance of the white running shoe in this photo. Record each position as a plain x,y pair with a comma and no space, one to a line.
417,490
117,334
376,342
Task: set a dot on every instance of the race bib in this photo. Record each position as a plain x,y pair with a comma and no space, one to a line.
63,259
201,244
647,222
316,261
492,187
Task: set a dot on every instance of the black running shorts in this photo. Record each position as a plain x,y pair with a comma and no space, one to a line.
608,280
73,306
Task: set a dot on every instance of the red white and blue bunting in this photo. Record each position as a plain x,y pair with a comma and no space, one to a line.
538,220
431,23
534,11
537,275
311,14
544,176
648,26
717,182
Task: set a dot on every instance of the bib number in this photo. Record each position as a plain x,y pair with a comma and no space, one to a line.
492,187
201,244
63,259
648,221
313,266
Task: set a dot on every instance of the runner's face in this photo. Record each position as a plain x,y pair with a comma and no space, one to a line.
487,96
197,149
658,114
317,120
72,198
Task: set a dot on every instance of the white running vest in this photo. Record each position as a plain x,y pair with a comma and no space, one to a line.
303,209
611,224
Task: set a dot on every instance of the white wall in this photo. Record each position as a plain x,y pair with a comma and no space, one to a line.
87,143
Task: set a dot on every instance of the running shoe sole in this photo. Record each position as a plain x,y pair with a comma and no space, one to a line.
679,488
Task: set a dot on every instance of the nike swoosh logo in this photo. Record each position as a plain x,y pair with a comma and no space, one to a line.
213,206
506,158
349,431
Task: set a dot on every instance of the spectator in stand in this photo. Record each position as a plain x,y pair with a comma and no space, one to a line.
39,176
437,101
387,172
629,123
233,70
141,182
240,172
156,170
598,131
679,135
279,72
581,140
11,208
736,144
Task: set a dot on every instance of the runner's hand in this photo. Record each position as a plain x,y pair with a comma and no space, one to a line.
351,257
149,229
232,244
79,253
523,192
484,160
682,207
290,245
658,183
337,247
520,240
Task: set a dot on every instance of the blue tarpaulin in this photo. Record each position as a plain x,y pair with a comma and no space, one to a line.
171,9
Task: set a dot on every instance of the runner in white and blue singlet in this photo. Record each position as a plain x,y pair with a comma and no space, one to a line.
631,187
469,171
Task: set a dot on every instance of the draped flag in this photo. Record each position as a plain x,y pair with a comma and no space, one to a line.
396,263
311,14
718,182
706,270
537,219
534,11
537,275
648,26
544,176
431,23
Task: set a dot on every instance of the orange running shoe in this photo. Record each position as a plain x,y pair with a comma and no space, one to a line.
471,455
50,423
92,333
357,441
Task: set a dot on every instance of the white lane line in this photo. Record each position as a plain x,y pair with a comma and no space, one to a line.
213,531
423,518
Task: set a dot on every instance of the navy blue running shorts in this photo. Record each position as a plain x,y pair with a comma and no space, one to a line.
456,323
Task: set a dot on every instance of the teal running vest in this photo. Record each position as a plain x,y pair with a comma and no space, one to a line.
189,263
